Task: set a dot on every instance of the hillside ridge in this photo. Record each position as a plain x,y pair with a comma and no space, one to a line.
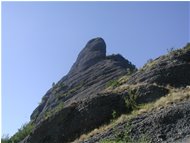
107,99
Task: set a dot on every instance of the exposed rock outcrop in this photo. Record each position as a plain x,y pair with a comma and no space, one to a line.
81,101
76,119
84,108
171,69
167,125
94,51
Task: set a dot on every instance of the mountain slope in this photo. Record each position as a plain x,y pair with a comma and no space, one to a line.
172,69
71,106
106,99
160,94
166,120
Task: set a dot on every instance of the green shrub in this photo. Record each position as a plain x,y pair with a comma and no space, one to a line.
113,83
5,139
171,50
24,131
53,84
68,92
53,111
114,114
60,96
130,101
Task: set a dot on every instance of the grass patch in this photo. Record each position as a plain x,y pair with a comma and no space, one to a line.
53,111
114,114
125,137
118,82
173,97
5,139
130,101
123,79
69,92
113,83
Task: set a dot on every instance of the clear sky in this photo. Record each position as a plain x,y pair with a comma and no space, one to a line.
41,41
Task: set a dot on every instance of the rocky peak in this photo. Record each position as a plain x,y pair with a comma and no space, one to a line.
93,52
77,96
100,88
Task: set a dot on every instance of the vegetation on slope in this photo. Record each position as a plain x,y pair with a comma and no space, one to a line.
174,96
24,131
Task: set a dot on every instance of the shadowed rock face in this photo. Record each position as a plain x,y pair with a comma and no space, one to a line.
84,108
74,120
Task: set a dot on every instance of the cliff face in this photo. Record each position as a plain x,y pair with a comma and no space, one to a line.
74,105
87,77
99,88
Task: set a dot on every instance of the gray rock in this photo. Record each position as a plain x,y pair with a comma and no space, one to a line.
94,51
84,108
77,119
168,125
146,93
172,69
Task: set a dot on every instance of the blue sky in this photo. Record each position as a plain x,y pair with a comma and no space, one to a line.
41,41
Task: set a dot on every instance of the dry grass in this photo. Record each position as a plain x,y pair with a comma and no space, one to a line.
93,132
124,79
175,96
122,88
101,129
